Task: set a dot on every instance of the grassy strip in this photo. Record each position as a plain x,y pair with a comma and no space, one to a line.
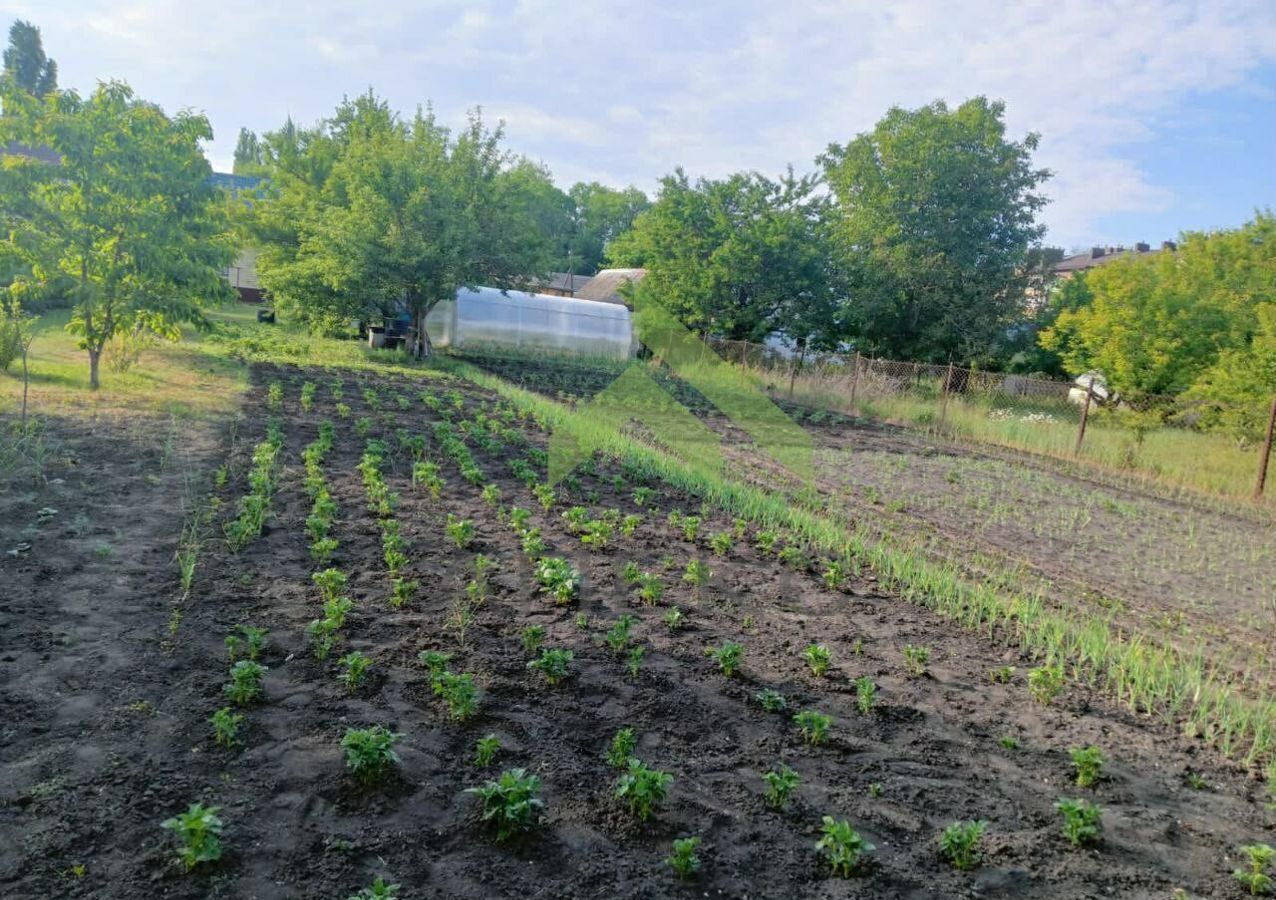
1178,686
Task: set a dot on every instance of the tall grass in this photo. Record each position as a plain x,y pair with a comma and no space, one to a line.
1179,686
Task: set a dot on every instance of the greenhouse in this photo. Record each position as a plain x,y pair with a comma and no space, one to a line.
489,318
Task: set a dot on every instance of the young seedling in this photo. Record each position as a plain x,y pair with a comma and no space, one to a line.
533,637
916,659
765,541
1001,675
459,693
630,573
511,803
1045,683
720,543
629,524
834,574
959,843
545,496
378,890
683,860
403,592
1009,742
425,476
771,701
1088,763
555,665
485,751
817,656
461,531
697,575
780,784
1082,822
650,589
198,832
1256,878
643,495
814,726
245,682
865,694
370,752
728,657
634,662
331,582
226,724
875,789
617,637
674,619
642,788
842,846
558,578
491,495
356,666
793,557
690,528
621,748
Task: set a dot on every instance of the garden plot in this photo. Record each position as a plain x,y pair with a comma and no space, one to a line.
644,670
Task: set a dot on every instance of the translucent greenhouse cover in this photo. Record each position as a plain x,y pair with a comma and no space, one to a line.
486,317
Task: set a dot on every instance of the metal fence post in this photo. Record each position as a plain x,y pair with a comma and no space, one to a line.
1085,414
1266,453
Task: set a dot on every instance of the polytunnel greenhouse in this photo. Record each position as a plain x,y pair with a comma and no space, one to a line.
488,318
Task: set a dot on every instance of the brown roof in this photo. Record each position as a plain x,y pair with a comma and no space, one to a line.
605,286
1098,256
564,281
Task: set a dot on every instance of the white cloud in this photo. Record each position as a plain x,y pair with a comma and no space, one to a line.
623,92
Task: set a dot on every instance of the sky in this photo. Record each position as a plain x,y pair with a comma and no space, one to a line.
1155,117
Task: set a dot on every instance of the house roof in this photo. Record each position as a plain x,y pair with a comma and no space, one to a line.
564,281
605,286
43,154
1098,256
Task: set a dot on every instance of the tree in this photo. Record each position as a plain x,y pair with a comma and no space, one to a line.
741,258
127,216
25,62
599,216
369,212
1236,392
1156,322
248,155
935,214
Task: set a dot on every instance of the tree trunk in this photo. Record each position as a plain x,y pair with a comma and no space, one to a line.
421,347
95,357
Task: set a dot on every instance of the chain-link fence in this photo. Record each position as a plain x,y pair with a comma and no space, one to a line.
1156,433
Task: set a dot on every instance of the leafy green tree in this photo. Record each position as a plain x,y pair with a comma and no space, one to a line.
25,62
248,153
741,257
1236,392
600,215
1155,323
126,217
368,211
935,214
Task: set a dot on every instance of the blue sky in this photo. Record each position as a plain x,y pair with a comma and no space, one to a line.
1155,116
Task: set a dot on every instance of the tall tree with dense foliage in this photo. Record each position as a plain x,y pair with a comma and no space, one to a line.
600,215
935,214
248,154
25,61
1156,322
126,217
368,211
741,257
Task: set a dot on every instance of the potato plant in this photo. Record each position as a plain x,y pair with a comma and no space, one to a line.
459,693
485,751
818,658
378,890
621,748
425,476
402,592
198,832
916,659
674,619
245,682
370,752
720,543
684,860
1082,820
697,575
555,665
511,803
255,505
617,637
1045,683
355,667
780,783
1088,764
959,843
814,726
842,846
533,637
226,724
1256,877
771,700
728,657
558,578
865,694
642,788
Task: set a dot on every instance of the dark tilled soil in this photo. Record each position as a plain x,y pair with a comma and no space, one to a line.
106,732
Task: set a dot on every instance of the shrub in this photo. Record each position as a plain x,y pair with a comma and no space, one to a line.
1256,878
814,726
485,751
226,724
780,784
245,682
511,803
642,788
1045,683
198,832
555,665
1088,762
622,748
817,656
842,846
959,843
370,751
728,657
1082,822
683,859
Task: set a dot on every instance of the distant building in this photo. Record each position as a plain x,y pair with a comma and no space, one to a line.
605,287
1099,256
562,284
42,154
242,275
